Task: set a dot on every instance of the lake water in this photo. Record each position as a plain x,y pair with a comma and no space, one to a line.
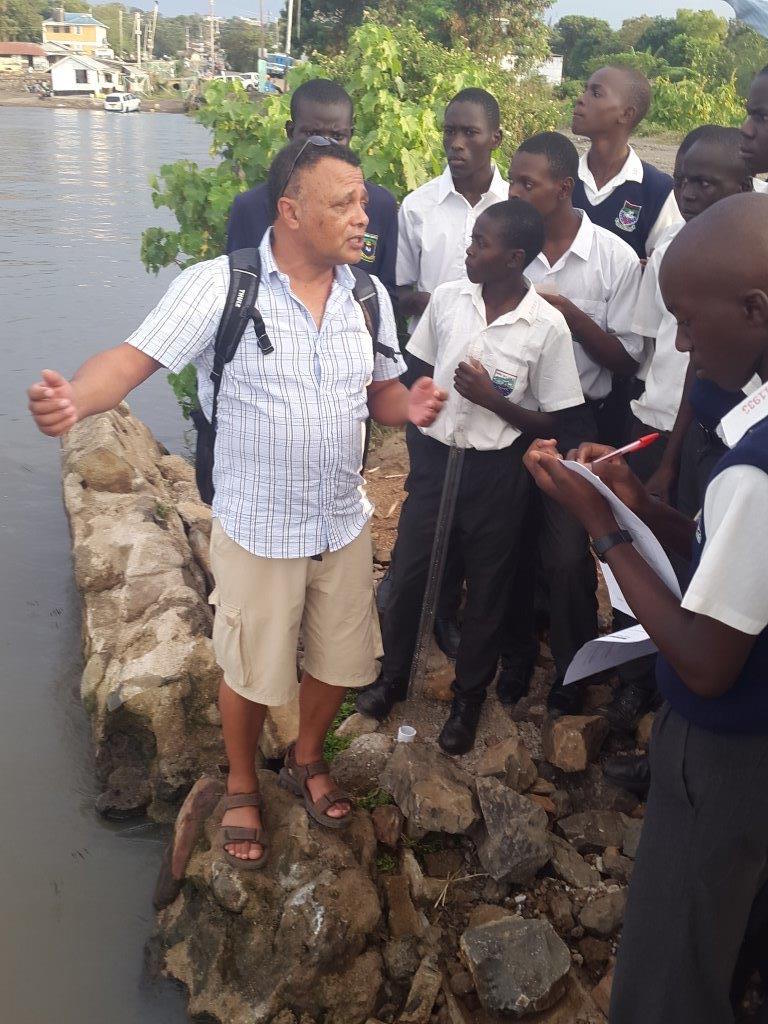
75,893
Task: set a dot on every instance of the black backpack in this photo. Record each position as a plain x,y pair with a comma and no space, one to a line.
240,307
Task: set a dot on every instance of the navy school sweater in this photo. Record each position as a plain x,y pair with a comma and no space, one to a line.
632,209
744,708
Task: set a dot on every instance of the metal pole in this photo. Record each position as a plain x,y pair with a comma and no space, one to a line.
288,27
213,35
298,20
120,33
137,36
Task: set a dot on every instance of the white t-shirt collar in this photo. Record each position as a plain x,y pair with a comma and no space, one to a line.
581,246
631,171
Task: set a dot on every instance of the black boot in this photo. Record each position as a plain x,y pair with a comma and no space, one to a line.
564,700
458,733
378,699
632,773
629,703
514,680
448,637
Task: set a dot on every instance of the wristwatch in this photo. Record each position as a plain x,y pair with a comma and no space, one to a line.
602,545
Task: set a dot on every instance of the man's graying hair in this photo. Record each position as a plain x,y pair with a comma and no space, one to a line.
280,168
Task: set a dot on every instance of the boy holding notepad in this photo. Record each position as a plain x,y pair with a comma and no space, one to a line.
703,856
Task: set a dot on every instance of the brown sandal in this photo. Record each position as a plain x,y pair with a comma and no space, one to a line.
240,834
295,777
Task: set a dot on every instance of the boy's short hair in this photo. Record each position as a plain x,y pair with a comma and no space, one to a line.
298,156
521,226
483,99
638,90
726,139
562,156
320,90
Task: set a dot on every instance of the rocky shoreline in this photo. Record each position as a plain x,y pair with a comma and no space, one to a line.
467,889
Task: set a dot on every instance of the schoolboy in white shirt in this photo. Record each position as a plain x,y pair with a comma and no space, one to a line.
593,278
507,358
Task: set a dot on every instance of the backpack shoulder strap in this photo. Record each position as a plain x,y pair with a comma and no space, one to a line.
244,280
367,297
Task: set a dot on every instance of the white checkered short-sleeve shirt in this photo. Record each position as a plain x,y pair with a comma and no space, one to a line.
291,424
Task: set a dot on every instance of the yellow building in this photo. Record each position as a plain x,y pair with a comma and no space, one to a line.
79,33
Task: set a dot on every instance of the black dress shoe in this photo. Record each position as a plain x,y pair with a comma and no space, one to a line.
378,699
513,682
448,637
458,733
564,700
628,704
632,773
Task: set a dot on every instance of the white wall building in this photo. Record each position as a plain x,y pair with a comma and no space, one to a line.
78,75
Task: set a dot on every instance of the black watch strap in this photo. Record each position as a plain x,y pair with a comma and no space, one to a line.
602,545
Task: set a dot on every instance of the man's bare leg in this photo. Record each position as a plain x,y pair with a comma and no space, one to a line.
318,704
241,724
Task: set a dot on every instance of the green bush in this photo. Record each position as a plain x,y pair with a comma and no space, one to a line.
682,105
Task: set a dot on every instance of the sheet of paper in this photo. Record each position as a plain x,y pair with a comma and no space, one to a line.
644,541
607,652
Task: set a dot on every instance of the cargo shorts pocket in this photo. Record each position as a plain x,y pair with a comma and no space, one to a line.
228,642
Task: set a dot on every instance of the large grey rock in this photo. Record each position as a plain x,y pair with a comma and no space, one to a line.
358,769
150,679
301,934
569,865
512,843
633,828
594,829
433,794
519,966
603,915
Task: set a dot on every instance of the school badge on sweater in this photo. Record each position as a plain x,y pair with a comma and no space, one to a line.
628,216
370,243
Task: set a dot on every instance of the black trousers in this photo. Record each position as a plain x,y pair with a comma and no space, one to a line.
557,547
697,886
491,504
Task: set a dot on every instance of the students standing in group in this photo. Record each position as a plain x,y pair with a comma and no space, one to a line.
702,863
435,229
322,107
506,358
593,278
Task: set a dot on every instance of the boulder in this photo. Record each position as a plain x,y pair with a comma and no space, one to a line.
150,680
519,966
631,839
561,911
299,935
573,741
358,769
433,794
401,959
356,725
569,865
603,915
426,984
509,760
402,916
388,824
617,866
594,829
512,843
596,952
281,727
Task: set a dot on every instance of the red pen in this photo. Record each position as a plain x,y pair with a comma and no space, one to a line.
635,446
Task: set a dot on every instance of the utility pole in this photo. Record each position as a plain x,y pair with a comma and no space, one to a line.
298,20
261,22
137,36
149,37
120,33
288,27
213,35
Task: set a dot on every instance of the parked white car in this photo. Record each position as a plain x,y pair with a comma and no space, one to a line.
122,102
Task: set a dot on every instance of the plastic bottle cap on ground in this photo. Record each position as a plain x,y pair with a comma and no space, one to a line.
406,734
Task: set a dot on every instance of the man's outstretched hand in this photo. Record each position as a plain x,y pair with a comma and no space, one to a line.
52,404
425,400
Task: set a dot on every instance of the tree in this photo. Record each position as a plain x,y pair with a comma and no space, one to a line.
632,30
20,21
504,28
750,53
400,83
326,23
171,34
241,43
651,66
580,39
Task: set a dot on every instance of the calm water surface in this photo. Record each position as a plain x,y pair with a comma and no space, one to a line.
75,894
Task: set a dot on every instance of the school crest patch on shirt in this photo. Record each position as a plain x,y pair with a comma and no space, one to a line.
628,216
370,244
504,382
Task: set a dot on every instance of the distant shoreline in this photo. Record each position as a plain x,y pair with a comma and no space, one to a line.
148,106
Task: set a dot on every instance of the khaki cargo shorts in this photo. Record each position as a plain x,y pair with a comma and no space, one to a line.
262,604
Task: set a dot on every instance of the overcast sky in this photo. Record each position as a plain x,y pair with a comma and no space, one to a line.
608,9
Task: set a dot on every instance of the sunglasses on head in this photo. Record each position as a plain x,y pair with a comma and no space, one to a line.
313,140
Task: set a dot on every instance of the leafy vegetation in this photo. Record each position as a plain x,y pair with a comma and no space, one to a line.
376,798
335,744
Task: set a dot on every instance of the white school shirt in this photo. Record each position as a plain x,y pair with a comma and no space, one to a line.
291,424
759,185
601,275
731,581
434,227
527,352
665,367
632,170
